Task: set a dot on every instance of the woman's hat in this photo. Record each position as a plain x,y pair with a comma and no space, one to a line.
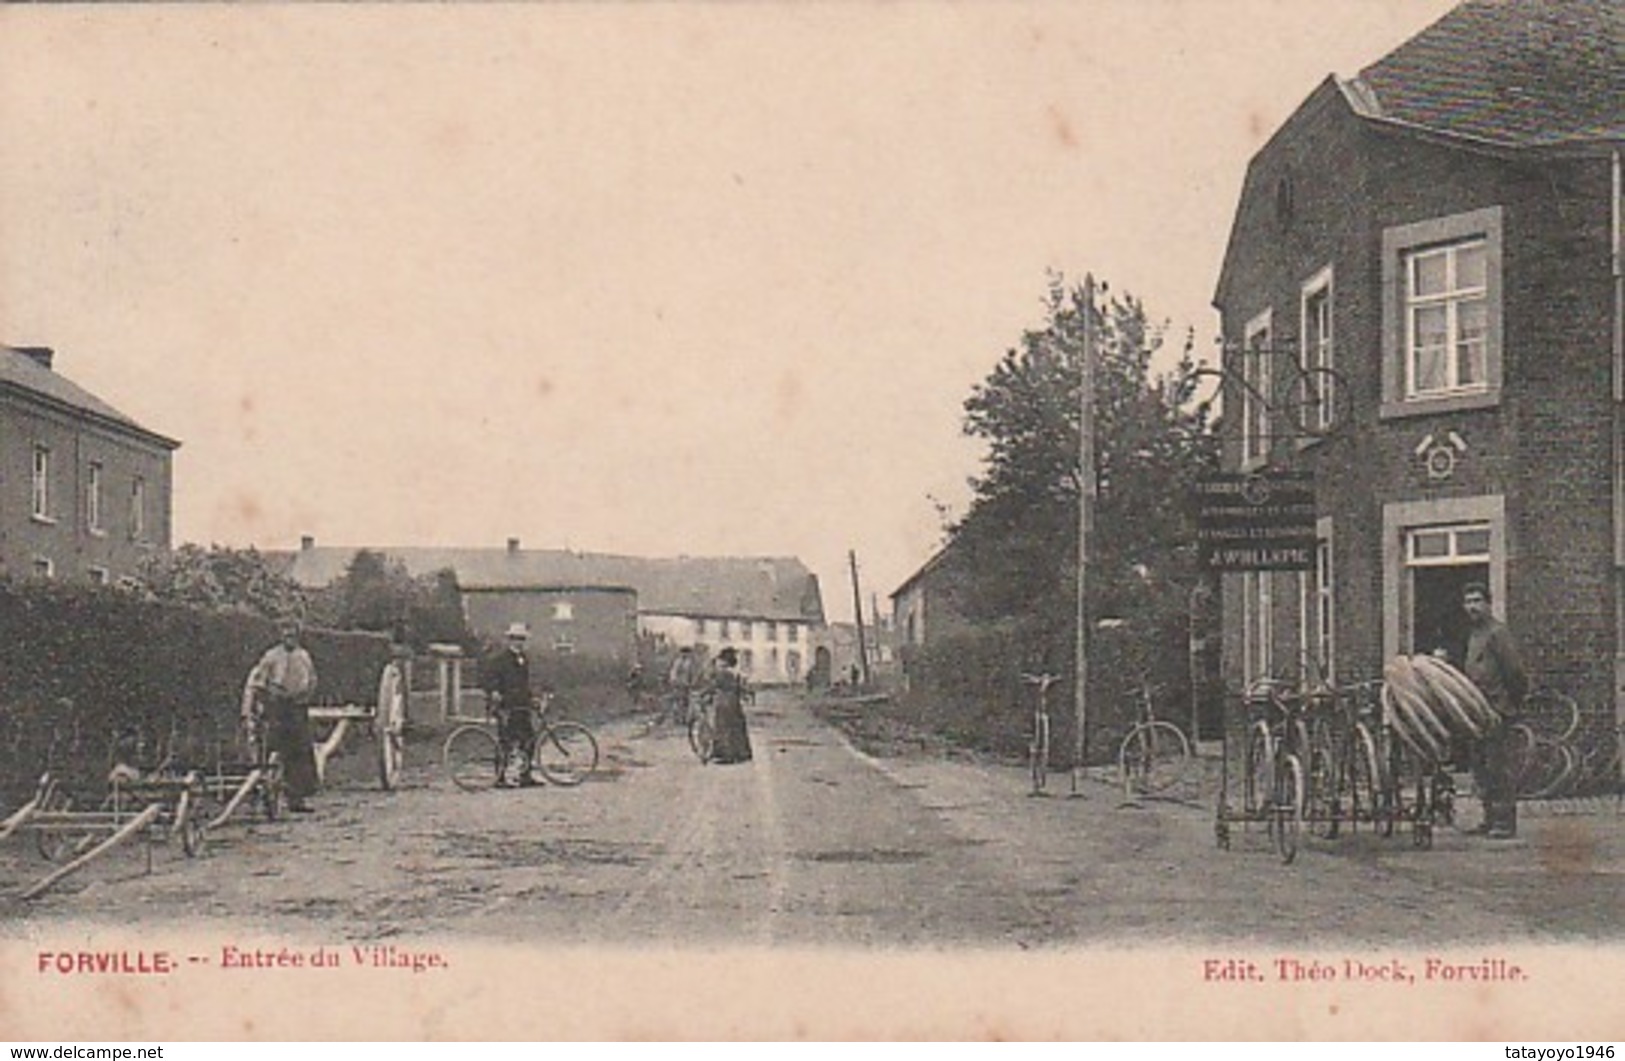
728,656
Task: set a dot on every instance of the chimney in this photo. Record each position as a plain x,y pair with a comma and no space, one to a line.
513,546
307,543
40,355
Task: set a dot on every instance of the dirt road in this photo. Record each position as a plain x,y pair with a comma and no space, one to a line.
816,844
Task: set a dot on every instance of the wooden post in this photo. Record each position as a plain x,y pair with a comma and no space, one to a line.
857,612
1086,519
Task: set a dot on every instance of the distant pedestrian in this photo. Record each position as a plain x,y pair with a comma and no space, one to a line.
680,678
727,690
1493,663
283,686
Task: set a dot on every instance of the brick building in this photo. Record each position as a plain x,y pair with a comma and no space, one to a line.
1443,232
87,490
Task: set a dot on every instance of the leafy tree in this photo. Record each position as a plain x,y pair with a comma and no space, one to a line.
222,579
1016,546
378,593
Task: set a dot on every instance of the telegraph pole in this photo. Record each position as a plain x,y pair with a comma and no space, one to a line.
1086,520
857,614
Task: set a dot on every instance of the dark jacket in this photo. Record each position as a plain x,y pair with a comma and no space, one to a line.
507,677
1494,666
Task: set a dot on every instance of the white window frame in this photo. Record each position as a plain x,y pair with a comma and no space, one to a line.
1257,607
100,576
1317,347
1256,365
1454,555
564,643
93,498
1451,300
1402,247
563,611
138,508
1326,598
792,633
40,484
43,567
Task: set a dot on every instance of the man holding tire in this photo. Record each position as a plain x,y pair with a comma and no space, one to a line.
284,685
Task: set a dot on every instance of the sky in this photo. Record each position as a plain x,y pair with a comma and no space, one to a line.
656,279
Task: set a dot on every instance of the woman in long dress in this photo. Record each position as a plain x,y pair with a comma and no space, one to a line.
728,689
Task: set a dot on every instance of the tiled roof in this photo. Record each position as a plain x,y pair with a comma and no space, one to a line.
778,588
22,372
1520,73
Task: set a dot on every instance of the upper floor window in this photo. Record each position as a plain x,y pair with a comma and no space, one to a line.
563,611
43,567
699,627
42,483
1446,317
1442,342
1315,410
745,628
772,630
727,629
138,508
1255,410
93,497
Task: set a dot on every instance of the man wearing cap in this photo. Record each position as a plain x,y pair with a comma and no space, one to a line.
1493,664
507,689
283,684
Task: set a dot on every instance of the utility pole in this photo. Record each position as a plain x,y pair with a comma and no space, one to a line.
1086,520
857,614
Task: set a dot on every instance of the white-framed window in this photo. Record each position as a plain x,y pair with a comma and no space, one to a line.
564,643
1257,607
1466,543
772,630
1446,319
138,508
699,627
1315,343
1442,314
99,576
746,629
1256,373
727,629
563,611
93,497
792,632
43,567
41,484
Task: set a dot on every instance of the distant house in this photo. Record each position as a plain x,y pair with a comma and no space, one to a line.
87,489
924,607
768,609
1442,231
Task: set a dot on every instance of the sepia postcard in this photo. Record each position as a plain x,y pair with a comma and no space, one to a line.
839,520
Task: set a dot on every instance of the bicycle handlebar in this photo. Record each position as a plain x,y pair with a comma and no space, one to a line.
1043,681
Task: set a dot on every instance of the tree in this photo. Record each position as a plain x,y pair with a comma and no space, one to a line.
1017,543
378,593
222,579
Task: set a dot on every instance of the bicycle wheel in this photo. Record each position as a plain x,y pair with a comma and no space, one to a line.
1286,815
1323,800
1365,784
1038,752
1259,780
566,753
701,736
470,756
1153,757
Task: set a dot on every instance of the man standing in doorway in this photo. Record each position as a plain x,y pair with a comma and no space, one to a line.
1493,664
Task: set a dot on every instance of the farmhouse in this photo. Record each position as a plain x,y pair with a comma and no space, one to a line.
87,489
768,608
1438,241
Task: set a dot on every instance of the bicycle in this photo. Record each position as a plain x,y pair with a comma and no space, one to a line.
1155,753
1038,748
564,753
702,730
1274,778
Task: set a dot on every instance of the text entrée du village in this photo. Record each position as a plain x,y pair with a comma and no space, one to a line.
1296,970
381,957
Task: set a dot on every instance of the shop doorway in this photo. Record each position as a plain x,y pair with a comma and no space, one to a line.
1442,562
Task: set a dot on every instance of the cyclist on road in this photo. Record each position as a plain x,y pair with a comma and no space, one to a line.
507,688
680,678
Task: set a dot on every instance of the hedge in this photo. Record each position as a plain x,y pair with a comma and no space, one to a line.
83,668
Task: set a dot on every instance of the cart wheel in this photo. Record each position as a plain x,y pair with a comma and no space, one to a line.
390,721
192,837
270,799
